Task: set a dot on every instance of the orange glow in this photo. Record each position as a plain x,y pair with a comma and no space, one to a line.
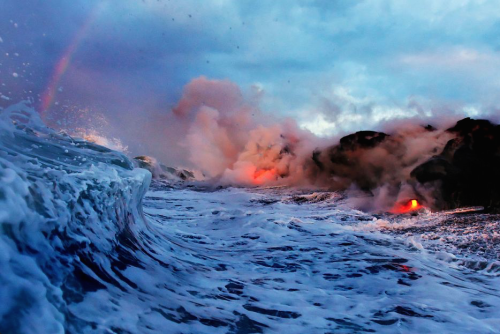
262,176
405,207
404,268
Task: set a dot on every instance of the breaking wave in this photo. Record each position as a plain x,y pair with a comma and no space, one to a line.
67,208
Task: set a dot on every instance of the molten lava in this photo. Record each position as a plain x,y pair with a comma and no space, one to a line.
262,176
405,207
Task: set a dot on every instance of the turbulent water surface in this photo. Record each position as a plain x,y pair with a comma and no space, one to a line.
85,249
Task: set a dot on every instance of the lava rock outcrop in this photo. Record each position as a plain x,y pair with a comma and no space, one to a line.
467,171
445,169
160,171
351,161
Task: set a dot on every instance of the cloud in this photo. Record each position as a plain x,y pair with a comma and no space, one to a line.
332,65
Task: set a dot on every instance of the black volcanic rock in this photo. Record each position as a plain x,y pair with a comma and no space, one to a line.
437,168
344,164
362,139
160,171
429,127
467,172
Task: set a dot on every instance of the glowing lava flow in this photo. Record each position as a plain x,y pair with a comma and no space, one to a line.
409,206
264,175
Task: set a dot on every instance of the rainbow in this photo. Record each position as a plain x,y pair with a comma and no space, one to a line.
63,63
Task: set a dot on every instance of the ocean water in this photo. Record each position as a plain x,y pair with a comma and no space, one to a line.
89,244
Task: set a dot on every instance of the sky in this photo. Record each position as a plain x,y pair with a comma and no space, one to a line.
333,66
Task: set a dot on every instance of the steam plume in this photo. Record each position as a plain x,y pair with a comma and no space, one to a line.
228,137
231,140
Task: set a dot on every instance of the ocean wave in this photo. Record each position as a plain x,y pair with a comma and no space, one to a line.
63,201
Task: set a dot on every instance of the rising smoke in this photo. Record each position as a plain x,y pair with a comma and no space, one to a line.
234,143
